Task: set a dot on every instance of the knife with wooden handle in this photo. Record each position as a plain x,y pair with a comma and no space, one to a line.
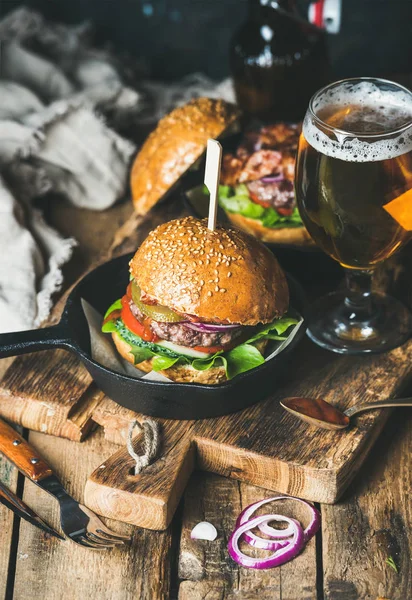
18,451
21,454
20,508
78,523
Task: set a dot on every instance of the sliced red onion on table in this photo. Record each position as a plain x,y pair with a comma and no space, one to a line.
275,534
278,540
282,555
314,523
211,328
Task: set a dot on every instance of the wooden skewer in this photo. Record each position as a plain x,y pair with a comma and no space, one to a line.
212,176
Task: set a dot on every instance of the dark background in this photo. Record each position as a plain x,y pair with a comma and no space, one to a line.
176,37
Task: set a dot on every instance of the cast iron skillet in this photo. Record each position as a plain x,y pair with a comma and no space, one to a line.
100,288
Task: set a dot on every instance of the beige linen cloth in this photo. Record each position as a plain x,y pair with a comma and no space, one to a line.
57,96
52,139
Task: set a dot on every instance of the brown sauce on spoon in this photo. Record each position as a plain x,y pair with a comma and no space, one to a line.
317,411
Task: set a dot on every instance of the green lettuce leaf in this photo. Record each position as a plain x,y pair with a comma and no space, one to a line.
109,327
224,191
203,364
140,354
161,363
238,360
271,218
117,305
279,326
237,200
241,359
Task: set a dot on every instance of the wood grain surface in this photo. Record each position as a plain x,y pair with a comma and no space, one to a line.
150,498
8,475
53,569
44,391
205,568
114,419
372,523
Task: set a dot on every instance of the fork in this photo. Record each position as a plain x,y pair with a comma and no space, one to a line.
79,523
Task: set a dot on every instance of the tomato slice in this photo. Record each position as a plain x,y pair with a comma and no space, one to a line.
141,329
208,349
285,212
258,201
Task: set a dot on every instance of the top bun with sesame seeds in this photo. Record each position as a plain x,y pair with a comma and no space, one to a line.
179,139
222,276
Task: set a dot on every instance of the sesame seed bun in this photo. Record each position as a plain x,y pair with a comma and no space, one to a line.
178,373
222,275
281,235
179,139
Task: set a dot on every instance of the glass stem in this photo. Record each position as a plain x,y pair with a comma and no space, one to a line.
358,294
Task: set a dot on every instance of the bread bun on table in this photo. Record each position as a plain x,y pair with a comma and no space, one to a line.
179,139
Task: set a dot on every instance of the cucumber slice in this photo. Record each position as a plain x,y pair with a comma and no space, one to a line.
183,350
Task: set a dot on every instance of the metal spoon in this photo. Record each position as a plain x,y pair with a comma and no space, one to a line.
316,411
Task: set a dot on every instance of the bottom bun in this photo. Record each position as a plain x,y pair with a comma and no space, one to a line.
178,373
283,235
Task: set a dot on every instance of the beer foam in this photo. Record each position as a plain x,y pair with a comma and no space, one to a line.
380,112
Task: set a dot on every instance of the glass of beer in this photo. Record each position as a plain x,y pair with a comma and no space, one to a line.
354,193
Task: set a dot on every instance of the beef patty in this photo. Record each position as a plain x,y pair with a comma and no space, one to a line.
280,194
179,334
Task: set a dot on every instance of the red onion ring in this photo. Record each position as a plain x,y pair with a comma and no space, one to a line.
275,534
272,178
209,327
279,557
280,539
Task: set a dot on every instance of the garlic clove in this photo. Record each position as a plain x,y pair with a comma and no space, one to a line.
204,531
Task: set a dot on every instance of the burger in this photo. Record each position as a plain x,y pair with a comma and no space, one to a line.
256,190
257,185
201,305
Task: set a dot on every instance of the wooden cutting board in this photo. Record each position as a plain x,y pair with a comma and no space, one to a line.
263,445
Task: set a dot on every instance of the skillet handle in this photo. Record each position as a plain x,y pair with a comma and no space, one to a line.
23,342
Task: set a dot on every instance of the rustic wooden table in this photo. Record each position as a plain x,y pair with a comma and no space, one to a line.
347,561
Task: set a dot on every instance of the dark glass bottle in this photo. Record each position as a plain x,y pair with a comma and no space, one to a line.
278,60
